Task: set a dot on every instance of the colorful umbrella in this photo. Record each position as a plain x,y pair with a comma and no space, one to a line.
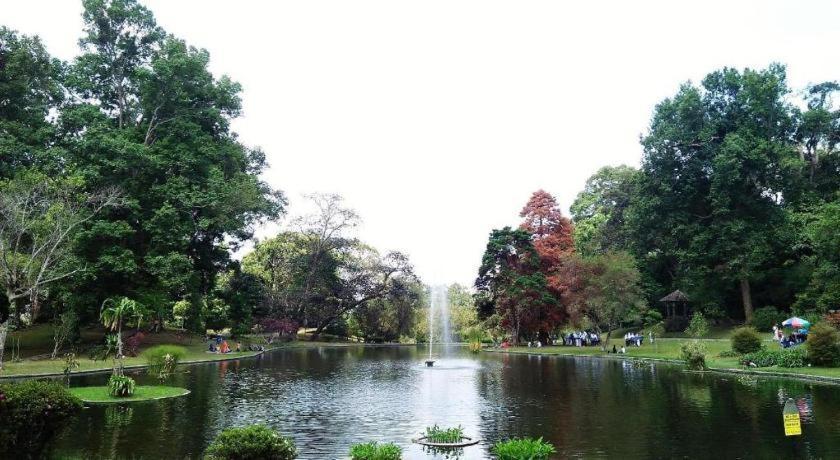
796,323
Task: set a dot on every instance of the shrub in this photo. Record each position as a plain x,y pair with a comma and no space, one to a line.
523,449
31,412
698,326
760,358
676,324
745,340
651,317
694,355
764,318
375,451
120,386
823,347
255,442
791,357
728,354
156,356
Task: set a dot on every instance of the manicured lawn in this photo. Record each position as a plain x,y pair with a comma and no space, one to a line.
668,348
99,395
195,353
660,349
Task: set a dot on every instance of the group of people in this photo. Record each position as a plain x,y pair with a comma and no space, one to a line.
581,339
786,341
633,338
220,345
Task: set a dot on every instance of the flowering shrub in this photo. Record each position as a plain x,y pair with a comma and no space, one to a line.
132,344
284,326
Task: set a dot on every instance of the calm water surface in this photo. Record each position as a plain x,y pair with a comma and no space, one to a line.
329,398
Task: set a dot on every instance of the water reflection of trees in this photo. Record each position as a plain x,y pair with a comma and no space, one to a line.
613,408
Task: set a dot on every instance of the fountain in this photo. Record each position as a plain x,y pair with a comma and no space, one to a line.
438,306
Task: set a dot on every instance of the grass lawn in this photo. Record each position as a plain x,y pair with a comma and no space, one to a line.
196,352
99,395
669,348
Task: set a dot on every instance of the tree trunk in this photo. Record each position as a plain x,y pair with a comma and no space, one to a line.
746,297
119,341
4,330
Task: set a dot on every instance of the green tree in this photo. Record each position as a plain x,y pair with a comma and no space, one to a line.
611,289
155,122
599,210
391,316
462,311
822,237
29,90
708,200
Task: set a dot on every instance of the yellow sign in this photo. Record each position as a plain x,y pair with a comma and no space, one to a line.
792,425
790,417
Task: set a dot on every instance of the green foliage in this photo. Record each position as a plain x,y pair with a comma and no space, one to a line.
823,346
523,449
387,318
698,327
694,354
444,435
789,357
32,411
822,234
180,310
598,211
375,451
745,340
611,288
70,364
651,318
766,317
120,386
255,442
65,330
729,354
162,359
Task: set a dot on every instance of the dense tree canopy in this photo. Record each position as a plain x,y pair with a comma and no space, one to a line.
139,112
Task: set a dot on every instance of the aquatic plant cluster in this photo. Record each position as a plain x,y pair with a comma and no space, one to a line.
375,451
262,442
444,435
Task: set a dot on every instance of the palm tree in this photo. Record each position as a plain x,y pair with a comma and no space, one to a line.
114,313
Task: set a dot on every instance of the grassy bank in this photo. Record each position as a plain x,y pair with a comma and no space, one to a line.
669,349
100,395
196,353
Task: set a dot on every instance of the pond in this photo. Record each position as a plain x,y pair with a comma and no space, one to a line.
328,398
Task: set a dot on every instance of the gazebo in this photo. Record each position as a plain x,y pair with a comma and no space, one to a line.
672,301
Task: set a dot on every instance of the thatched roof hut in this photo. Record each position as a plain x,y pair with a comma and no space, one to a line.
672,300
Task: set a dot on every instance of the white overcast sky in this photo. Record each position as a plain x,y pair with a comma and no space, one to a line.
437,119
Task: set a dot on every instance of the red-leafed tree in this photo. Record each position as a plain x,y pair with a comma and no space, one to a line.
552,238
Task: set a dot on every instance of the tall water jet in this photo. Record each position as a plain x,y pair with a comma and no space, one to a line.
442,295
438,312
430,361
